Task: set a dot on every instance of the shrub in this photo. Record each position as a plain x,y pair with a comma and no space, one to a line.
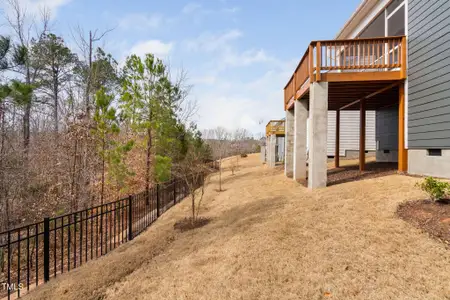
436,190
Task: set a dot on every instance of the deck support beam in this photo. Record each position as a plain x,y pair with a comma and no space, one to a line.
301,117
289,144
402,152
336,152
362,135
317,135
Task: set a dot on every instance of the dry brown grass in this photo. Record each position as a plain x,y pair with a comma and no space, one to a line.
271,238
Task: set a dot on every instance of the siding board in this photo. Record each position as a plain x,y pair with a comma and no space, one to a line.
387,128
349,134
438,41
445,110
441,19
437,120
428,128
421,136
428,106
415,5
433,64
431,8
428,96
440,76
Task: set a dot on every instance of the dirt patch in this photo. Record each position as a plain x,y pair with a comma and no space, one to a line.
432,217
352,173
189,224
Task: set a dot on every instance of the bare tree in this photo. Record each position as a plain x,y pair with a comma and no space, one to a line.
195,175
86,47
240,137
220,147
22,25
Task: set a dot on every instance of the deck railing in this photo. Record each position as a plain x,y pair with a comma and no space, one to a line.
275,127
382,54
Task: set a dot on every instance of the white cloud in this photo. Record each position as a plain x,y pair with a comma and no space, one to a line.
197,12
36,6
156,47
206,80
227,55
209,42
251,104
141,21
248,57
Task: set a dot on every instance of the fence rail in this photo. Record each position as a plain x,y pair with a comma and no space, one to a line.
32,254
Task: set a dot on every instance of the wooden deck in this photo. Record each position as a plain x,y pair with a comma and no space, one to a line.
355,69
276,127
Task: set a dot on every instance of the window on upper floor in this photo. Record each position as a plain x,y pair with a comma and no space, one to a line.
391,7
393,16
375,29
396,22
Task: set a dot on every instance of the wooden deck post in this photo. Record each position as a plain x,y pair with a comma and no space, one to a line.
318,61
402,152
403,58
362,135
311,63
336,153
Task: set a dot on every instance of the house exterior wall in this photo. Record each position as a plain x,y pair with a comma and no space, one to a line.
429,74
419,163
386,134
429,87
349,132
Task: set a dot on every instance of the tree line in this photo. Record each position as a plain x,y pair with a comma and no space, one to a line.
77,129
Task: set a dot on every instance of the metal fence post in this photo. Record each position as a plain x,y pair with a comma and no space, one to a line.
46,249
157,200
130,218
9,263
174,192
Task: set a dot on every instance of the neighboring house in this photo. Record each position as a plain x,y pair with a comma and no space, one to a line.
392,57
273,149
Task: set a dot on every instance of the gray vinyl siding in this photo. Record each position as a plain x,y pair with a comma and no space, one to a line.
349,132
428,74
387,128
280,148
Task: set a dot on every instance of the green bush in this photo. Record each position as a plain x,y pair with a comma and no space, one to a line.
436,190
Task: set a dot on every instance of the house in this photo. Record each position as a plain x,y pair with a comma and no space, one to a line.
273,150
391,57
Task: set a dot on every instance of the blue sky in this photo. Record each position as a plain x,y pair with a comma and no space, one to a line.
238,54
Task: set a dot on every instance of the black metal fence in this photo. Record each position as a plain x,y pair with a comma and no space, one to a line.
32,254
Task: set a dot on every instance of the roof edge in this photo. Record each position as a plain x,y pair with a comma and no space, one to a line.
361,11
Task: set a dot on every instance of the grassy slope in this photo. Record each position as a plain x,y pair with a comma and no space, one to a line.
270,238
